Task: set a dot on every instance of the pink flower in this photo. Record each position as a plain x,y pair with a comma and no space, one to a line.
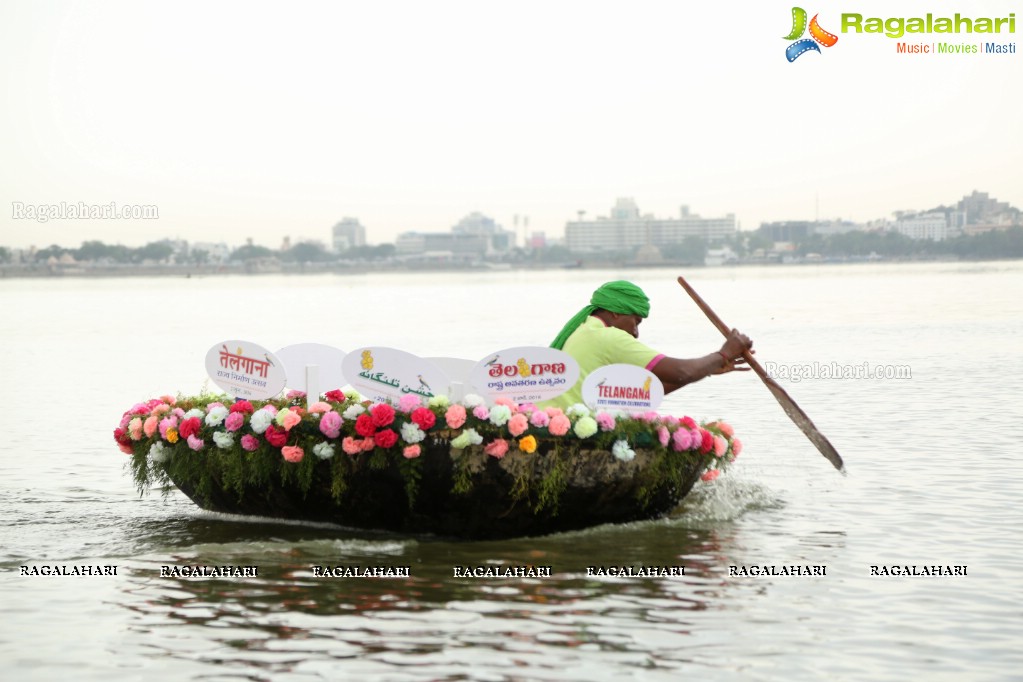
135,428
330,425
411,451
320,407
292,453
507,402
243,406
681,440
710,475
663,435
669,420
605,421
212,405
386,438
250,442
497,448
169,399
720,446
409,402
234,421
455,416
480,412
291,419
554,412
650,416
270,408
351,446
736,447
150,425
725,428
368,444
424,418
167,423
195,443
518,425
161,409
294,393
382,414
559,425
539,419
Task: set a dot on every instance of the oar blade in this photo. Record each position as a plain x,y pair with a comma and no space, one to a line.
805,424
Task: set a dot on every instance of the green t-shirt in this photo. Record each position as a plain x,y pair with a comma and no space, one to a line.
595,344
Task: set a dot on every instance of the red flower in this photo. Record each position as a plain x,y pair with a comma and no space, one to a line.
386,438
276,437
189,427
689,422
383,414
710,475
337,395
707,441
121,436
242,406
364,426
424,418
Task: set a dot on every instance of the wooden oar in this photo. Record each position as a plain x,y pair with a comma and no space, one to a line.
784,399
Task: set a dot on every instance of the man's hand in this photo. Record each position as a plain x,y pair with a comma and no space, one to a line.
732,351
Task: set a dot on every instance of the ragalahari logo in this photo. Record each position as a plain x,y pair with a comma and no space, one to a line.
817,35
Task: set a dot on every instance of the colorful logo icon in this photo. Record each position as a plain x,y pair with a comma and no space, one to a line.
817,35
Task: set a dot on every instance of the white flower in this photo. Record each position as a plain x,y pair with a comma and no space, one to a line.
471,400
223,439
194,412
466,438
159,453
439,400
353,411
622,451
260,420
410,433
499,415
577,410
216,416
323,450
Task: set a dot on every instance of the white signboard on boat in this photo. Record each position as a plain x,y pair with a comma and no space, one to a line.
245,369
525,374
387,374
312,368
623,387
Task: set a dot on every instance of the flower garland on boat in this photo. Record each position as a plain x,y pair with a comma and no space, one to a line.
248,442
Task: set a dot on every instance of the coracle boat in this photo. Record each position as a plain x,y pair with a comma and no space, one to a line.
464,470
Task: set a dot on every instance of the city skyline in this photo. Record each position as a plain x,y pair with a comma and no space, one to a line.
252,123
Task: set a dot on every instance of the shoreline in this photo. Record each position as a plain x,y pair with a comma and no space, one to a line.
187,271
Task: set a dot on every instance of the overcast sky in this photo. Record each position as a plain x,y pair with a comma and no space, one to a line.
247,119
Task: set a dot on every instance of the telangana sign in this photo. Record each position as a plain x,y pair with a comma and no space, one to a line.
245,369
623,387
525,374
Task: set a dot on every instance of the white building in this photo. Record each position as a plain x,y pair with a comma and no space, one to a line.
934,225
626,229
348,234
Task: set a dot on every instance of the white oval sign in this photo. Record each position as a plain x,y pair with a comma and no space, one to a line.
525,374
623,387
313,367
245,369
387,374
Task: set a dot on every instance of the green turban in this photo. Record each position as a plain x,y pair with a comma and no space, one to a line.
624,298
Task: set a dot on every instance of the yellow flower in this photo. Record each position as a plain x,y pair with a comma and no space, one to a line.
527,444
172,435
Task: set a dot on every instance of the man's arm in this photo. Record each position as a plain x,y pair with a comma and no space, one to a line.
675,373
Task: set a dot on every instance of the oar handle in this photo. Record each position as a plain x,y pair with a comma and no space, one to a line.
722,327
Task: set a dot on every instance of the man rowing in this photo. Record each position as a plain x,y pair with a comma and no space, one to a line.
606,332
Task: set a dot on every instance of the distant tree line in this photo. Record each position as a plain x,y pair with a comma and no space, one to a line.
986,245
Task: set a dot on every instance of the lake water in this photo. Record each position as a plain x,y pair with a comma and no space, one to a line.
934,479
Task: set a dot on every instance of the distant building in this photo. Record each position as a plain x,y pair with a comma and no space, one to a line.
474,237
931,225
626,229
348,234
215,252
